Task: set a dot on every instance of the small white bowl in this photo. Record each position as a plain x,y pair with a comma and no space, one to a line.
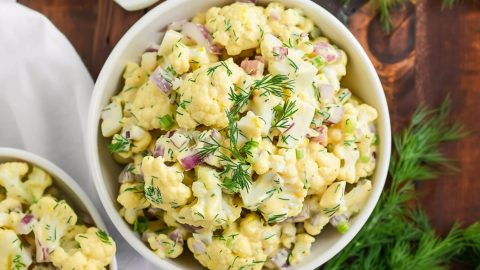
361,79
71,191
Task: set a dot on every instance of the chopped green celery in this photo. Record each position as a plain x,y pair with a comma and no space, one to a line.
141,224
343,227
299,153
318,62
166,122
350,126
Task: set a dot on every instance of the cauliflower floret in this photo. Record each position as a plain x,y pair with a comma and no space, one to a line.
12,253
333,200
134,77
199,56
165,247
241,246
287,23
95,252
319,167
149,61
54,218
11,175
149,105
261,190
132,139
38,180
357,197
131,197
163,184
111,119
237,27
348,157
265,158
204,95
288,234
301,250
212,207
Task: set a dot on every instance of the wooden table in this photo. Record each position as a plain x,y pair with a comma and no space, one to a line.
430,52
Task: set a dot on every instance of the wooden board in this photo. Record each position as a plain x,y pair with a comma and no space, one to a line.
430,52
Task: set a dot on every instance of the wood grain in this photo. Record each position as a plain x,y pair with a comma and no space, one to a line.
431,52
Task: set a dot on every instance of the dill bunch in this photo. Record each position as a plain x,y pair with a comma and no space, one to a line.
398,236
383,7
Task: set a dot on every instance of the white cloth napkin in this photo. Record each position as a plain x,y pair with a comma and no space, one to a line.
44,95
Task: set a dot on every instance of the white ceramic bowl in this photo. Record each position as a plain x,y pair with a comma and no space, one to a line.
361,79
70,190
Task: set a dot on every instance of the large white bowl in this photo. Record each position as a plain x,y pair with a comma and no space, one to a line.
69,189
361,79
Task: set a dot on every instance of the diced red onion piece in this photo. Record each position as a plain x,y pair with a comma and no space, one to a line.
158,151
198,247
248,1
176,236
274,15
289,127
177,25
336,114
253,67
201,36
170,133
335,220
160,79
216,135
326,91
280,52
152,47
43,253
322,135
280,258
325,50
191,228
126,176
260,58
25,225
189,162
303,215
372,127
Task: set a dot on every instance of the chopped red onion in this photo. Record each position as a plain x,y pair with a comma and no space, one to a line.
190,161
280,258
177,25
253,67
158,151
260,58
191,228
274,15
162,80
326,91
248,1
26,224
303,215
216,135
325,50
322,135
289,127
335,220
152,47
176,236
126,175
336,114
170,133
280,52
201,36
198,247
43,253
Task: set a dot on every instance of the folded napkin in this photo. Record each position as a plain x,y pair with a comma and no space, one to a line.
44,95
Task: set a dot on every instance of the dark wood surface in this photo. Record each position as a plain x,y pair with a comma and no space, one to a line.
431,51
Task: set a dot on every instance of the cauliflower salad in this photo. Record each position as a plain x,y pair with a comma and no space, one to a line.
37,231
238,140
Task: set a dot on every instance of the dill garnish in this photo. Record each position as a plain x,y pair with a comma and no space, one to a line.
119,144
273,84
104,237
398,236
283,113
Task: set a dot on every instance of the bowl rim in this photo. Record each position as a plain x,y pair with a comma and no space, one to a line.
60,175
93,129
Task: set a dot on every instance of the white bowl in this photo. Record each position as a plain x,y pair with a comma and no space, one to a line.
361,79
71,191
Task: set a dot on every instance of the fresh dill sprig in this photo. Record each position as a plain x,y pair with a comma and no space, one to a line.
239,99
153,194
119,144
212,70
384,7
103,236
397,236
273,84
283,113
